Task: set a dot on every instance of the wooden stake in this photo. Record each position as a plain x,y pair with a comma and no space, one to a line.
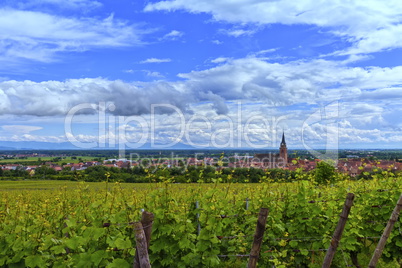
259,234
338,231
197,206
141,244
355,261
147,220
66,235
381,244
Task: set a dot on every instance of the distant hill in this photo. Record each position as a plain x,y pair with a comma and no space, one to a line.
35,145
6,148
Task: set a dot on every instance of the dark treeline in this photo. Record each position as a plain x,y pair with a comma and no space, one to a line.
152,174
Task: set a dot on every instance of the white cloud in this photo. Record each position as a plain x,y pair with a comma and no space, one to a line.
383,94
369,26
365,108
173,35
246,124
20,129
220,60
266,51
249,78
238,32
53,98
153,74
146,72
217,42
155,60
36,138
387,38
39,36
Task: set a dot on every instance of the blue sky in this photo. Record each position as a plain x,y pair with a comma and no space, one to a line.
202,72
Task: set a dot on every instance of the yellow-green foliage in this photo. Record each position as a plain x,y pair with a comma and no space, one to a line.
73,224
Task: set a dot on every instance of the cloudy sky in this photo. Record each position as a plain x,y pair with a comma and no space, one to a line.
202,72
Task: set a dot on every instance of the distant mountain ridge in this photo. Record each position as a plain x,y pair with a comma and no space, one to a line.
37,145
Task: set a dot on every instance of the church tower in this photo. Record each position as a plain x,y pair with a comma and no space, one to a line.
283,150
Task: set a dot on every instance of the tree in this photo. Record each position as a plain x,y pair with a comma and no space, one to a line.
324,173
44,170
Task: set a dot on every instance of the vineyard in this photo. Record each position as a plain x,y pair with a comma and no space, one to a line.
77,224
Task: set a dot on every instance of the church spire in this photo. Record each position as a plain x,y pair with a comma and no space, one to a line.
283,143
283,150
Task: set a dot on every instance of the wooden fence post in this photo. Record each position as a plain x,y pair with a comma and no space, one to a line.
259,234
141,245
66,235
338,231
147,220
381,244
197,206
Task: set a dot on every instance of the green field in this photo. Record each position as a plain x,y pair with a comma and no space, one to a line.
76,224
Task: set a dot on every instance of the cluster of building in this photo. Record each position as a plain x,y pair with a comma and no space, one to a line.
21,155
117,163
352,166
